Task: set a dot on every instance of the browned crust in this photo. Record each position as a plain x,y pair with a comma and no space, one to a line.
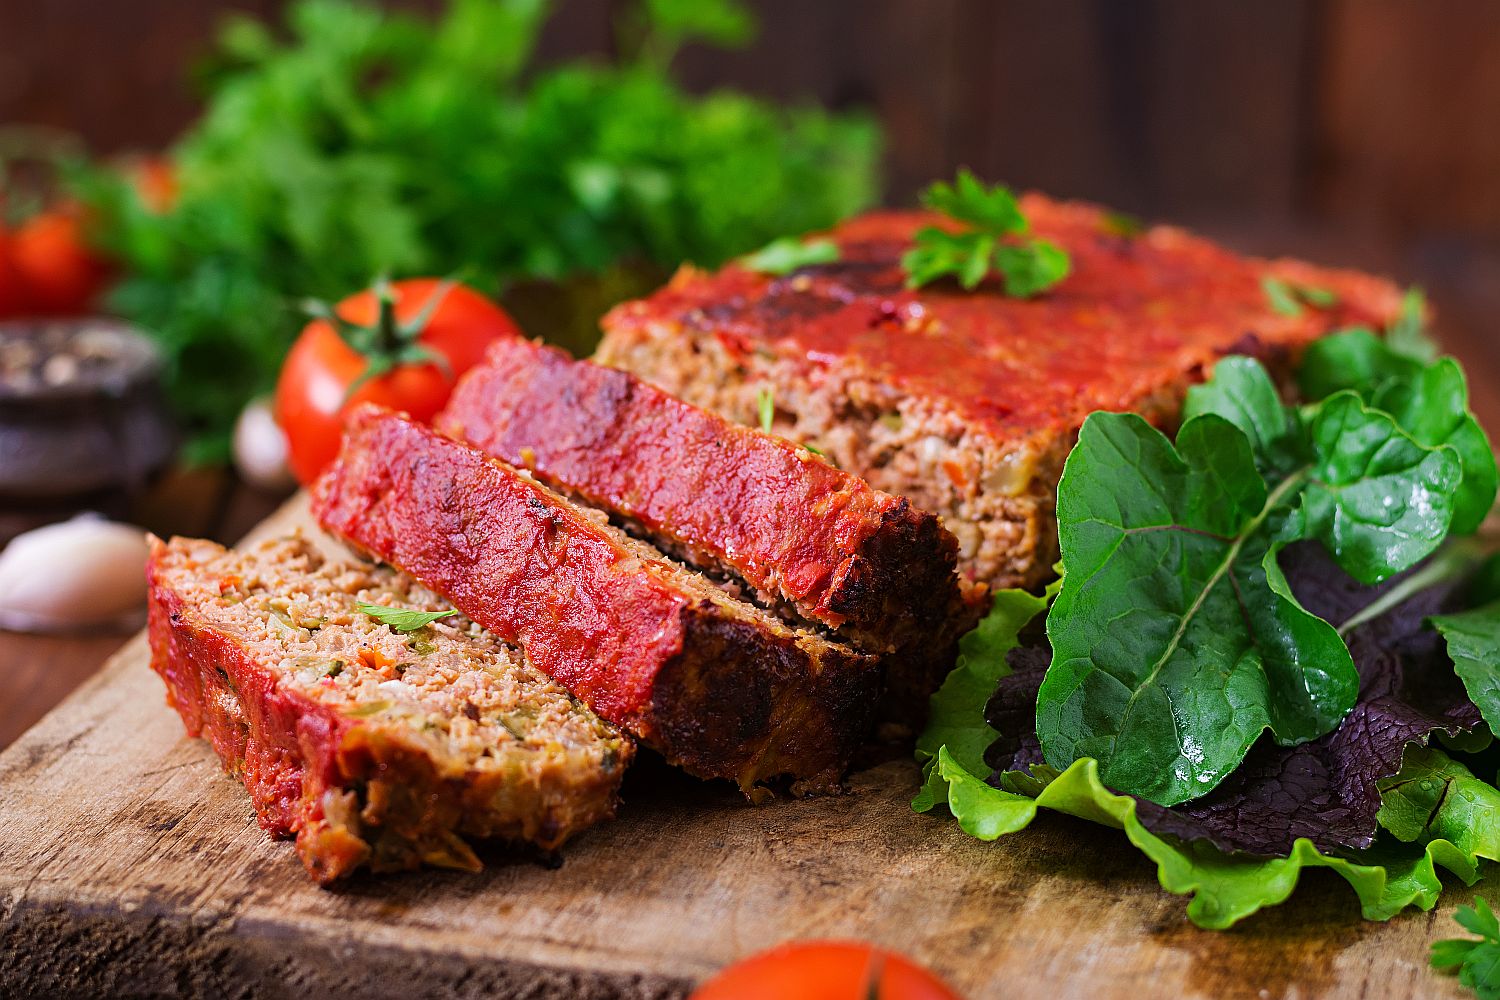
729,498
719,687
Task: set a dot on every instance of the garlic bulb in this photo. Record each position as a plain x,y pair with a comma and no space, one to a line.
260,449
80,574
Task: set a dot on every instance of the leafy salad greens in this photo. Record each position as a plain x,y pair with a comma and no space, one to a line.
1268,649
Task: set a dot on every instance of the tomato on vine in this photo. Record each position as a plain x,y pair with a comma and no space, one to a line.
401,344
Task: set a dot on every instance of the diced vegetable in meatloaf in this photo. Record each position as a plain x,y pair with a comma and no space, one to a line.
801,533
373,744
719,686
967,402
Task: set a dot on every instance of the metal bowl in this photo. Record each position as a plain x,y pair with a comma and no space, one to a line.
82,414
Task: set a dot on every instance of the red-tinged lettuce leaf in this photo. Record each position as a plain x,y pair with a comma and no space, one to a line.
1325,791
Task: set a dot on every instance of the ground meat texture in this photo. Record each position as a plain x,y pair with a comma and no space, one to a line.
801,533
719,686
370,746
967,403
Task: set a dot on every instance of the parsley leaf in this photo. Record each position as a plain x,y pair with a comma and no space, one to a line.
765,408
1027,267
787,254
354,140
1477,961
1408,335
1176,640
401,619
1288,299
1122,224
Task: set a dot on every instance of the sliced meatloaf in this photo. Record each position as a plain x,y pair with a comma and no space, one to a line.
803,535
967,402
371,745
719,686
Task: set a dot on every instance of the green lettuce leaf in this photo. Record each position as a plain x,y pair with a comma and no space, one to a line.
1435,797
956,718
1473,639
1428,400
1176,641
1227,888
1380,501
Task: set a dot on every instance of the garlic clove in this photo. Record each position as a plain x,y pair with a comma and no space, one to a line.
80,574
260,449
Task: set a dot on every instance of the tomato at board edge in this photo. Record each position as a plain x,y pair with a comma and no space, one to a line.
825,970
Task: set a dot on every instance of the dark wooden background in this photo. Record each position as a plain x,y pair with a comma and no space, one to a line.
1379,115
1358,131
1364,132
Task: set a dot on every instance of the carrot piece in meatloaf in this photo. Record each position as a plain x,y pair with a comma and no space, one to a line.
967,402
370,744
719,686
805,537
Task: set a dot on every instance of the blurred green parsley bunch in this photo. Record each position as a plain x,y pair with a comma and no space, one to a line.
357,141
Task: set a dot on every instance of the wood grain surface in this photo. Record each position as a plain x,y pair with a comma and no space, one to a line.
130,865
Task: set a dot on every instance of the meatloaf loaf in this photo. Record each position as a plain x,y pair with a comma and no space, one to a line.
719,686
371,746
804,536
968,402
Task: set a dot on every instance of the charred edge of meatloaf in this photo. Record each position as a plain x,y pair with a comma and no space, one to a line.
371,747
733,704
418,499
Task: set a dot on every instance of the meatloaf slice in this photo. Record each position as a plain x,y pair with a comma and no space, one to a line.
719,686
727,498
968,402
371,746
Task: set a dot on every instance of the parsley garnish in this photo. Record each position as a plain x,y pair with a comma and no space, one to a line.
402,619
787,254
1122,224
1408,334
1477,962
765,405
1288,299
992,241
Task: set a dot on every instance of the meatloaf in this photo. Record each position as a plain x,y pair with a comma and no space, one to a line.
968,402
371,746
719,686
801,534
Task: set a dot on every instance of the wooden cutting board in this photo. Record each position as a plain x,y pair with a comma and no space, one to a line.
131,865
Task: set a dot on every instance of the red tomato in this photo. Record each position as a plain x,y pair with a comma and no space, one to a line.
313,391
825,970
50,259
156,181
12,291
